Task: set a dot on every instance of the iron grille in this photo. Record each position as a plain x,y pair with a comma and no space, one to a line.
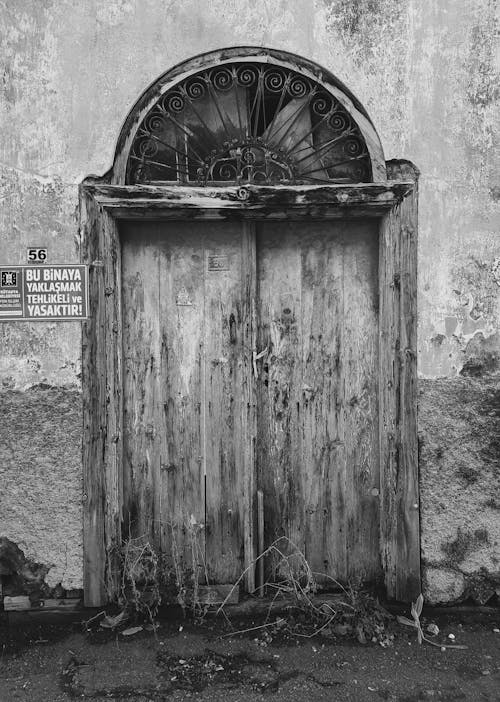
248,123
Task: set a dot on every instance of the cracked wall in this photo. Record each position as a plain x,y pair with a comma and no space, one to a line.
427,74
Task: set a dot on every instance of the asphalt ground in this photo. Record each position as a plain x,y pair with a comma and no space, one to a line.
46,658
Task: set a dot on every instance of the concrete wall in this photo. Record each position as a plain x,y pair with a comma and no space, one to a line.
427,73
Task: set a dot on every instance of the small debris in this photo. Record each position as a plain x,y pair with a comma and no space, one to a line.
451,637
432,629
131,630
443,648
196,673
496,631
486,672
151,627
112,622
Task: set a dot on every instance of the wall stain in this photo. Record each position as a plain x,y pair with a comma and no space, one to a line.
466,541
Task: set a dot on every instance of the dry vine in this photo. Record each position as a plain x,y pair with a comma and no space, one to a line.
298,583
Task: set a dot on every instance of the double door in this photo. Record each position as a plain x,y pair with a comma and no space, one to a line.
250,363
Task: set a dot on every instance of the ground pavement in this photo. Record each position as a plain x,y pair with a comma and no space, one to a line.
48,660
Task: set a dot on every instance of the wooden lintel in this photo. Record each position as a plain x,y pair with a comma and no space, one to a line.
249,201
162,212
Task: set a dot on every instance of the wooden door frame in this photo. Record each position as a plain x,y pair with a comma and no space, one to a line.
394,205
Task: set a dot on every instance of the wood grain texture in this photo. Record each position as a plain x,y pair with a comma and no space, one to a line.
323,441
228,364
141,386
248,404
250,201
180,419
400,537
317,452
361,408
279,386
188,306
93,387
101,380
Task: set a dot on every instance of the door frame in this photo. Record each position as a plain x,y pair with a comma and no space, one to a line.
394,205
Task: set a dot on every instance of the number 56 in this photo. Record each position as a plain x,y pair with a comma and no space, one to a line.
37,254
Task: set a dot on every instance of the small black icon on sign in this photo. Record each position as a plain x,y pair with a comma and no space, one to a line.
9,279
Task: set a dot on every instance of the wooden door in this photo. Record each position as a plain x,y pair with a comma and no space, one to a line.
317,448
198,300
187,297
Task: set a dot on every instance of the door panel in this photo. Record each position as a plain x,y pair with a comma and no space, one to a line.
317,448
185,326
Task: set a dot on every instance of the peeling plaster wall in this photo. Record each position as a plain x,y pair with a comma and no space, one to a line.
427,73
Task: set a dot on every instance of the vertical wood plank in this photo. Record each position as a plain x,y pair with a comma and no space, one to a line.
400,538
228,364
323,446
248,401
113,454
279,383
141,356
181,312
93,385
360,400
101,382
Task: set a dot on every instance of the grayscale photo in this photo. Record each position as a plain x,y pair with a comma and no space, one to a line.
250,350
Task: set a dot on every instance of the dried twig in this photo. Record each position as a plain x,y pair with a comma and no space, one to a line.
245,631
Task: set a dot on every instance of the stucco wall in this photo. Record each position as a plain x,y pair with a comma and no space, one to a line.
428,75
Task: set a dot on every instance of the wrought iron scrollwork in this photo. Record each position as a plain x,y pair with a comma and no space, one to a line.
248,123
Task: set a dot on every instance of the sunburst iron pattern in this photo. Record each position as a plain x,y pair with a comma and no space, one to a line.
248,123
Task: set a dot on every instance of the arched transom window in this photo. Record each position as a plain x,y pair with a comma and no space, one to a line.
248,122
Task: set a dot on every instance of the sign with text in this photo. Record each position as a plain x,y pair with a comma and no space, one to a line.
43,293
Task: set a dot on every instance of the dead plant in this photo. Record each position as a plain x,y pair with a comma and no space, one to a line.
416,611
140,578
308,614
189,577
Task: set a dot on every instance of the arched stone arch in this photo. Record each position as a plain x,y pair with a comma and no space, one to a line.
209,113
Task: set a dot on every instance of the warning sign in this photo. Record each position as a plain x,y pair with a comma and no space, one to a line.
43,292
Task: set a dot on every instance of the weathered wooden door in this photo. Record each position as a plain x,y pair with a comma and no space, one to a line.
206,425
188,423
